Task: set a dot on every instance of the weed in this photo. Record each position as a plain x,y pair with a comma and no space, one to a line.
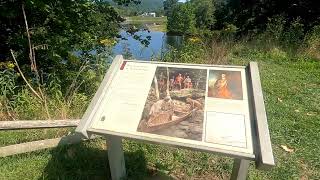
312,40
7,88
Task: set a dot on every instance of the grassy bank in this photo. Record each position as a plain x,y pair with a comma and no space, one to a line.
157,27
291,85
152,23
146,19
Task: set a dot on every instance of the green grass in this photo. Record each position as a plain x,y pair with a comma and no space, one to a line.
21,136
291,88
158,27
292,96
146,19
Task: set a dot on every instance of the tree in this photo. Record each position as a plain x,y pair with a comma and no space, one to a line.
204,13
63,34
168,6
255,14
191,17
182,19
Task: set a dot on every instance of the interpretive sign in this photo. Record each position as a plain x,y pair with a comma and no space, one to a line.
203,107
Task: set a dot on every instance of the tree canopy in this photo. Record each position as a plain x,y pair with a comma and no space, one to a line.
182,19
186,18
61,35
247,16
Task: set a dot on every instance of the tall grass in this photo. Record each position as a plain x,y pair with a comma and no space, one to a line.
7,87
22,104
65,99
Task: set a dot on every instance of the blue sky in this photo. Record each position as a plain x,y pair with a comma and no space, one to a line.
182,0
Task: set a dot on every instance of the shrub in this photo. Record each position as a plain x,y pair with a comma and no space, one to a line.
218,52
292,38
274,31
182,19
194,50
228,32
277,54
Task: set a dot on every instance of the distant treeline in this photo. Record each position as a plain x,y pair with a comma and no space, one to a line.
241,16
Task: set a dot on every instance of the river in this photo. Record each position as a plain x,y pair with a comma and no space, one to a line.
159,42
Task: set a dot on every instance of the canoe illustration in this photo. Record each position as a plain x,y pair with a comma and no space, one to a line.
168,117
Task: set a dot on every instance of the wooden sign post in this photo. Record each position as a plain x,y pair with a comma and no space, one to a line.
211,108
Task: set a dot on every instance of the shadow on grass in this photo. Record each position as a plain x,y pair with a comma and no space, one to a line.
89,160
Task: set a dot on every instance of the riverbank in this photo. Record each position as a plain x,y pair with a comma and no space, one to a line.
157,27
155,24
146,19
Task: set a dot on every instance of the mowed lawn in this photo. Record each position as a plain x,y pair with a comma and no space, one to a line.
292,95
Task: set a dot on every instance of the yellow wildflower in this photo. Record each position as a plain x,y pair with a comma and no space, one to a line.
108,42
10,65
195,39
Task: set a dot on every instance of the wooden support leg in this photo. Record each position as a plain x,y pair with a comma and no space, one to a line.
116,157
240,169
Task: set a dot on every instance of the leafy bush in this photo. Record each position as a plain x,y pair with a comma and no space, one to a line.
277,54
229,31
292,37
274,31
182,19
195,50
189,52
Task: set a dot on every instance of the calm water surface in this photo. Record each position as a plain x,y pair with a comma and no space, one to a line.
160,42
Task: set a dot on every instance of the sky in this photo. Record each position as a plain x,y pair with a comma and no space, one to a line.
182,0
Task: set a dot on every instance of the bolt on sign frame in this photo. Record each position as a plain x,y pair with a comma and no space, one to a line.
212,108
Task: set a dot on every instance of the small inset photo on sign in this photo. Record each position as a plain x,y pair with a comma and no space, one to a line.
175,103
225,84
227,129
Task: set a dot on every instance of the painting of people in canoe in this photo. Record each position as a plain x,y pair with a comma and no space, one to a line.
225,84
175,104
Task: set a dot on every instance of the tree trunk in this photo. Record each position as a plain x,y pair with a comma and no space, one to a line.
168,83
156,87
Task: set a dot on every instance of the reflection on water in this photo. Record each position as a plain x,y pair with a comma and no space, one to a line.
158,43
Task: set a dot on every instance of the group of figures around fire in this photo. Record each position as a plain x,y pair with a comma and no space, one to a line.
177,82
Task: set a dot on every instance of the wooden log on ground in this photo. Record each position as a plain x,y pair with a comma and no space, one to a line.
35,124
39,145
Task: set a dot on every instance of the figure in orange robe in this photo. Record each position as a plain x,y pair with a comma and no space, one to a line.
221,88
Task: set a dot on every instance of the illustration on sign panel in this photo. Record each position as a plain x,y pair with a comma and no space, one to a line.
225,84
174,106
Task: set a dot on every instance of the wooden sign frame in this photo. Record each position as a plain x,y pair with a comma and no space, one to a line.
261,143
